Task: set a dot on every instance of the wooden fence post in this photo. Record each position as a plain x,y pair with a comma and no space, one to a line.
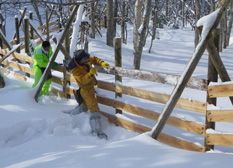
26,35
17,32
65,82
217,61
27,40
179,88
51,12
1,41
31,29
118,63
212,77
47,24
67,43
21,20
47,70
9,46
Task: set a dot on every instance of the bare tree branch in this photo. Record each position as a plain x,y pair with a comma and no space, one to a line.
54,3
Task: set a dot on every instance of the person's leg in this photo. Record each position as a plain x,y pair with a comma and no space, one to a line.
77,110
89,98
91,102
37,75
46,86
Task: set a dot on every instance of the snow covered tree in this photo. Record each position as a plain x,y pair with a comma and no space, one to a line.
140,30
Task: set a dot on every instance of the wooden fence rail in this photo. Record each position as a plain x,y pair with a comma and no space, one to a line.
194,83
220,139
220,115
37,36
186,104
221,91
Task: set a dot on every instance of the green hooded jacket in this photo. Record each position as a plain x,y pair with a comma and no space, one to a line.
40,59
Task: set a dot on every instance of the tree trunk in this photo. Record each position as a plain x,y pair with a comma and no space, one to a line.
183,15
138,13
140,34
110,23
35,6
213,5
230,24
123,22
154,13
197,17
93,9
115,15
166,6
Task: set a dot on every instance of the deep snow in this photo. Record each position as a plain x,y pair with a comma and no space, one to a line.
38,135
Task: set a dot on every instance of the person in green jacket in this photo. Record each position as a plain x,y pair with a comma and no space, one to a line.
42,54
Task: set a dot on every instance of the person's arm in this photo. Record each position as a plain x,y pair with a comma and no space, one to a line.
98,61
95,60
81,78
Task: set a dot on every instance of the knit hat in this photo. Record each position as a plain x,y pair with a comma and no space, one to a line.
81,54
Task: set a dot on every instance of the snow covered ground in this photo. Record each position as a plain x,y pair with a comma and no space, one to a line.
38,135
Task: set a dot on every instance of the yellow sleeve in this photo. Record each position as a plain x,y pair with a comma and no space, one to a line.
95,60
83,79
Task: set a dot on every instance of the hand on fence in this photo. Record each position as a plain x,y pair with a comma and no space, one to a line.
104,64
93,71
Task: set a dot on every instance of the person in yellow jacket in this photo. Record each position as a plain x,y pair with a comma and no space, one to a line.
83,72
42,54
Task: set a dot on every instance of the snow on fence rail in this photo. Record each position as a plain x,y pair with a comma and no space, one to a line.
224,89
194,83
186,104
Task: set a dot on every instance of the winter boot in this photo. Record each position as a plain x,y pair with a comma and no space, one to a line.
77,110
96,126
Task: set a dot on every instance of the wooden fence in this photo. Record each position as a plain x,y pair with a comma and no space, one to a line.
186,104
212,116
220,115
52,28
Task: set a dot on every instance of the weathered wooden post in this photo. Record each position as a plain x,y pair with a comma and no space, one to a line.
212,77
218,64
27,39
17,32
2,82
47,70
118,63
65,82
67,43
1,42
21,20
26,35
47,24
170,105
31,29
51,12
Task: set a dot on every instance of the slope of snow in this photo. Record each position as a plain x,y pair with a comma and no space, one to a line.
35,135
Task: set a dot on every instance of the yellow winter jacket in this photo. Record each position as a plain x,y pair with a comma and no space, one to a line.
81,73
